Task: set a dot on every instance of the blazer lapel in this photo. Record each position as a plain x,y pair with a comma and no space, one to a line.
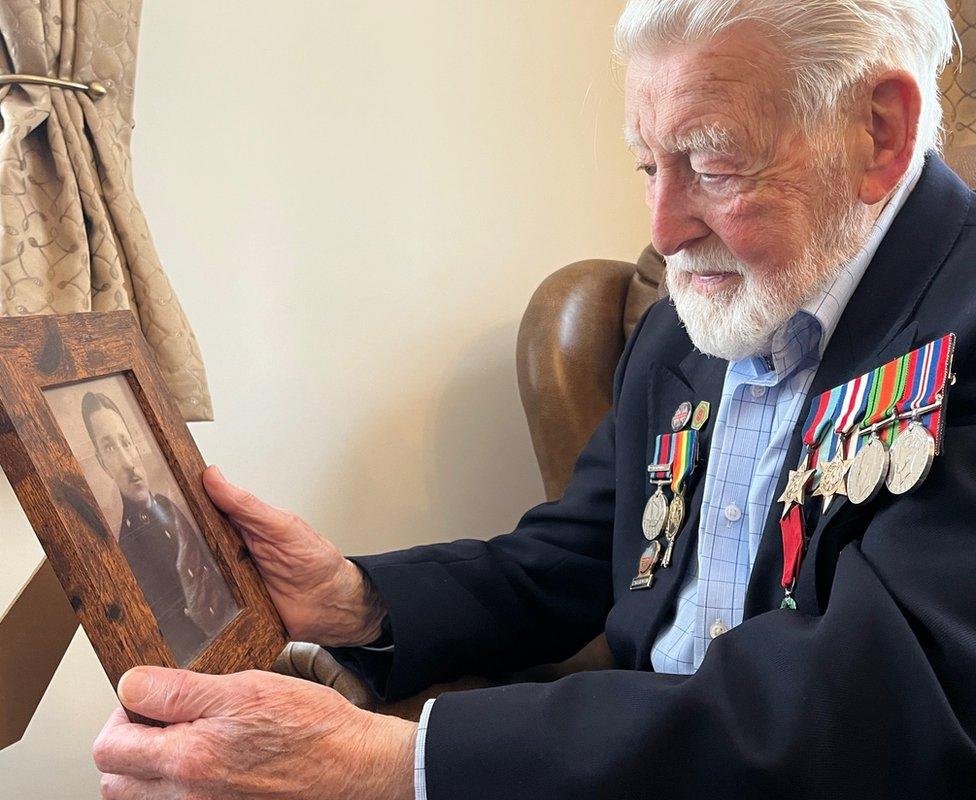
876,327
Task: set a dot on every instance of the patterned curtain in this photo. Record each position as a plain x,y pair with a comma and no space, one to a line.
959,94
73,235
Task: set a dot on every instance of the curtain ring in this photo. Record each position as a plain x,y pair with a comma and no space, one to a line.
95,90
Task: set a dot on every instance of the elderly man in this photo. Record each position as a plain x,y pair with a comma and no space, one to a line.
812,235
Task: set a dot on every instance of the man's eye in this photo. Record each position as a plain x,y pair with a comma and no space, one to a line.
712,179
647,169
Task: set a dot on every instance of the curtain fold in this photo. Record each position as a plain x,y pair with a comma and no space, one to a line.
958,85
74,237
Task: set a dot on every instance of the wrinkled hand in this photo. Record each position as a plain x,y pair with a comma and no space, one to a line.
249,736
322,597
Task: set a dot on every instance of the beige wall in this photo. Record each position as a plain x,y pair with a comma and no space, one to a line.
355,201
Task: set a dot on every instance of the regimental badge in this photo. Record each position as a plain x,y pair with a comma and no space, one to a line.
645,567
681,416
700,418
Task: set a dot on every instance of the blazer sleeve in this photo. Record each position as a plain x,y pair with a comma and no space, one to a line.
533,596
875,698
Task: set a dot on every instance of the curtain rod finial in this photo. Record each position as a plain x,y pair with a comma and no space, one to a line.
97,90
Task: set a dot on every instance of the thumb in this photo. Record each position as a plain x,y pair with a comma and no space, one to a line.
243,506
176,695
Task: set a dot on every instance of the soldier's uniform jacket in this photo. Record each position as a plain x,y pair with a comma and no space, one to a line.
174,571
868,690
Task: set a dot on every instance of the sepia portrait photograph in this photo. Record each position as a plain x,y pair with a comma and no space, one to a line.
146,511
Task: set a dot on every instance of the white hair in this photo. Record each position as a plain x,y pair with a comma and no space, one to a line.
831,45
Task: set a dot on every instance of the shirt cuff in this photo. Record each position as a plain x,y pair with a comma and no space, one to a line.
374,649
420,755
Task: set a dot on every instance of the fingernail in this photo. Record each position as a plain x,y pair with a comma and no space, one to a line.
134,687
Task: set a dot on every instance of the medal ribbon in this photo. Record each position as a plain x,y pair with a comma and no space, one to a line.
820,421
662,455
855,404
931,370
844,398
791,527
684,448
919,364
887,385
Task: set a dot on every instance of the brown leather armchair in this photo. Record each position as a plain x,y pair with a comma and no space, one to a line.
569,342
572,335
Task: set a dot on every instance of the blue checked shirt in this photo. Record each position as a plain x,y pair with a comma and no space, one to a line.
761,403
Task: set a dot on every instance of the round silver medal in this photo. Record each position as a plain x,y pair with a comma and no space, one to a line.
912,455
655,515
867,474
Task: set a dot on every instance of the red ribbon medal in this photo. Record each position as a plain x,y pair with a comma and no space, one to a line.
819,421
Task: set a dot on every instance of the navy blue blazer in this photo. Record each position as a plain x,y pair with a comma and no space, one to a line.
868,690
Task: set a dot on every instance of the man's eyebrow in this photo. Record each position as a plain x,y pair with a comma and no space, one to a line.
711,138
633,139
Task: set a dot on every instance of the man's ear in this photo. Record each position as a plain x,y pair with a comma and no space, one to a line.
891,131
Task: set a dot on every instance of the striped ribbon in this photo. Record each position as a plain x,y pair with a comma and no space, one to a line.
887,387
820,422
680,450
928,372
662,455
856,394
684,448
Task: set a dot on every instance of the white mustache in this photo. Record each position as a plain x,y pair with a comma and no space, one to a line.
703,264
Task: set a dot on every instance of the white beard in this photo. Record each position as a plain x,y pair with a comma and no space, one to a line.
741,322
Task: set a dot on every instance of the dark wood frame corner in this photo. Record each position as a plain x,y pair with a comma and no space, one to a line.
43,352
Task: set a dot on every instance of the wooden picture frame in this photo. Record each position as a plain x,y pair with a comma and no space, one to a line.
46,364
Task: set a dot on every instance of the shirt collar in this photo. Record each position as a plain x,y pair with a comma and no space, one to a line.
805,336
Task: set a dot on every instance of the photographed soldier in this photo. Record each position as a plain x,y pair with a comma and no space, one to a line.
165,552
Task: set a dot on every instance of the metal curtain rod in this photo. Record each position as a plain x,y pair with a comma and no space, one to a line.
95,90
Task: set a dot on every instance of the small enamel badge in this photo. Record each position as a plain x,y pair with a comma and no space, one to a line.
700,418
681,417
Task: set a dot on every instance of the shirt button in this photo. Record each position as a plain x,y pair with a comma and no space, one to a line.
758,391
733,513
717,629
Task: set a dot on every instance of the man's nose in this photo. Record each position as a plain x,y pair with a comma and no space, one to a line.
675,219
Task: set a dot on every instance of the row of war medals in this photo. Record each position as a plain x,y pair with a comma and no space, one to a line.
882,429
675,459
